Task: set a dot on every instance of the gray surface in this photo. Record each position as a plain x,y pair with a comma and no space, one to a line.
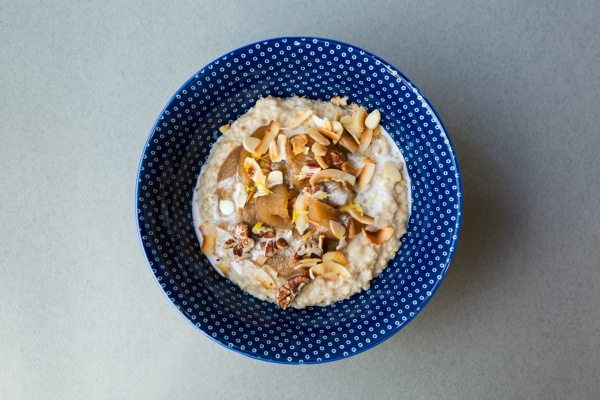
518,313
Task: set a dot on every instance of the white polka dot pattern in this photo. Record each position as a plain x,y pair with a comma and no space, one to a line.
180,142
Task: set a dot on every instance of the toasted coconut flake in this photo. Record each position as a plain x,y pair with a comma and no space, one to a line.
208,239
335,256
377,131
299,213
224,128
338,230
250,143
321,123
332,175
349,168
274,151
361,217
265,279
298,119
373,119
365,175
329,134
380,236
354,228
391,171
226,207
339,101
365,139
349,142
322,162
338,129
317,137
299,143
327,267
270,135
282,144
274,178
347,123
318,149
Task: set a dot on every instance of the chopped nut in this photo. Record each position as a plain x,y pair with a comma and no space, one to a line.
339,101
336,158
317,137
241,230
318,149
267,247
298,119
299,143
365,175
263,231
290,289
373,119
224,128
380,236
332,175
268,137
337,229
226,207
229,244
391,171
281,243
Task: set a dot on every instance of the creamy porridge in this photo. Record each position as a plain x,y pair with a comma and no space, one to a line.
302,202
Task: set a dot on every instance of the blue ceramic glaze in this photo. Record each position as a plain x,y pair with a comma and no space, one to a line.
180,142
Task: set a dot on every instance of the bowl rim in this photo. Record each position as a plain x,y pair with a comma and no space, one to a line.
454,244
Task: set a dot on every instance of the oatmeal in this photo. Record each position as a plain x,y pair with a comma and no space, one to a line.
302,202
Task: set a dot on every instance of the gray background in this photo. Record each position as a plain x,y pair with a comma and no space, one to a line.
517,84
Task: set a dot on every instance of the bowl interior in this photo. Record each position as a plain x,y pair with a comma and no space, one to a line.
180,142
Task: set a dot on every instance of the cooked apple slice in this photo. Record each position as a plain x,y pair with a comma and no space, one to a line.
273,209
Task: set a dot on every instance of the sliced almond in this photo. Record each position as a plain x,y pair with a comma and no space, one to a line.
365,175
362,218
250,143
300,213
298,119
332,175
380,236
208,239
329,267
330,134
317,137
307,262
226,207
318,149
335,256
365,139
358,119
349,168
299,143
338,230
270,135
354,228
265,279
391,171
322,162
349,142
224,128
274,178
373,119
347,123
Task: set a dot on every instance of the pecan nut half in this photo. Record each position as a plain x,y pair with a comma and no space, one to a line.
290,290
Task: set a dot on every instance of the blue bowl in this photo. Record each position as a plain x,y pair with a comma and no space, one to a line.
180,142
